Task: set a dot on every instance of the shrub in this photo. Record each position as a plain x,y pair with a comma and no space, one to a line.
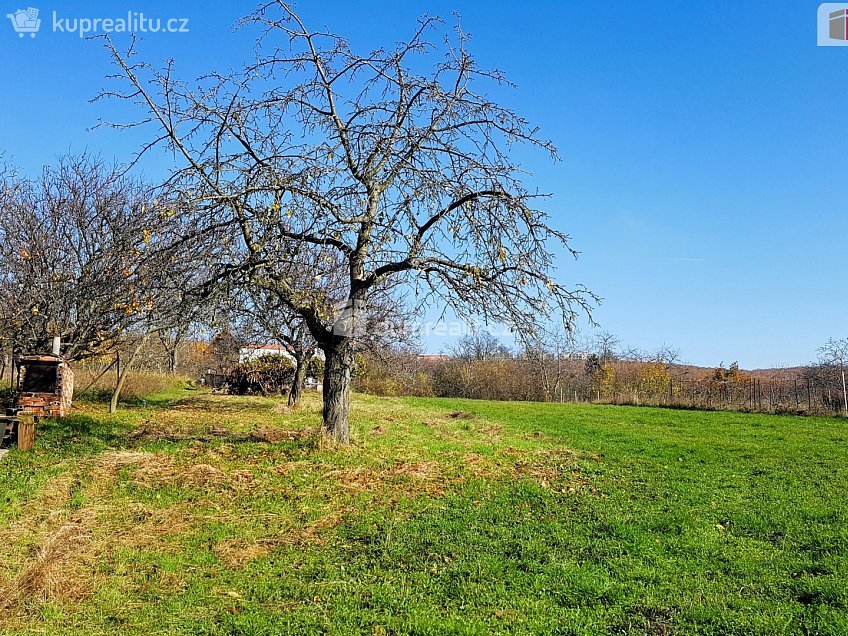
7,398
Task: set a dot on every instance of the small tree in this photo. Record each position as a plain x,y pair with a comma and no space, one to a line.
835,353
548,353
479,346
259,317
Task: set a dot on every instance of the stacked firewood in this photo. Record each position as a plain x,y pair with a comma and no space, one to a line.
271,375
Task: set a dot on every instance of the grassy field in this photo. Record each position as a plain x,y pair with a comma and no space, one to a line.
202,514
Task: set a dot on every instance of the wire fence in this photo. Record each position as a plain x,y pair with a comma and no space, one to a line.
800,396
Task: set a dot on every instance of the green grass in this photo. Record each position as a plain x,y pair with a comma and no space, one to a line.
223,515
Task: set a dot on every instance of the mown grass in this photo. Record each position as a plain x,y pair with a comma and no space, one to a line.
206,514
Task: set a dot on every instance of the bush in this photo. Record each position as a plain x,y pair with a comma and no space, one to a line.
7,398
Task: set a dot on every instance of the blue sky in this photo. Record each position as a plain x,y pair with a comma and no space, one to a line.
703,146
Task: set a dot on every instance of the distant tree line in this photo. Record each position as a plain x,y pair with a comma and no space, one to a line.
563,369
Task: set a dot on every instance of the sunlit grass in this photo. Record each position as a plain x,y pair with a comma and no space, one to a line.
202,514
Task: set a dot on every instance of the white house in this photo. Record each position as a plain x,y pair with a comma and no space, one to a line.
255,352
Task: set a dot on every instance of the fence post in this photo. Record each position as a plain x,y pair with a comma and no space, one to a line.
809,396
26,432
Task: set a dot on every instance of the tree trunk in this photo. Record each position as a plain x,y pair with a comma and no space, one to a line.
338,367
297,383
172,361
122,377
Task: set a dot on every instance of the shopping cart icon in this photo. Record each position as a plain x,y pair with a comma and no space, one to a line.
25,21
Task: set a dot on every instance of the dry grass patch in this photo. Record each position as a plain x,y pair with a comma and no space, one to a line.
173,429
60,567
203,476
149,469
155,470
145,527
237,553
558,469
401,479
59,550
260,498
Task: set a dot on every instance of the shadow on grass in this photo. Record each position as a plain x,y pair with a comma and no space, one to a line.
85,435
161,399
81,434
297,440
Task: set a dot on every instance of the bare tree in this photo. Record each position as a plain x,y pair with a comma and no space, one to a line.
259,316
171,338
548,354
361,164
606,346
480,345
178,313
835,353
72,246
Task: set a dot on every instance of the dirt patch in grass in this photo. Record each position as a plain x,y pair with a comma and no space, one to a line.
207,405
242,480
655,621
167,430
274,435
